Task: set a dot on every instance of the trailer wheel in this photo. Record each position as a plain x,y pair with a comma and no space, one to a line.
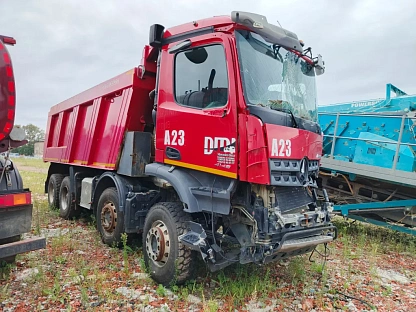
168,261
67,205
54,185
110,220
11,259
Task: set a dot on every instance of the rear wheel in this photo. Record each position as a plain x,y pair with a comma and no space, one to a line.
110,220
67,205
168,261
54,185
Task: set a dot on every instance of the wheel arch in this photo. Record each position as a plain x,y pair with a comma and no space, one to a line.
110,179
56,168
199,191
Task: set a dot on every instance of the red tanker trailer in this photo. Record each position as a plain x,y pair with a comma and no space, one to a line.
15,200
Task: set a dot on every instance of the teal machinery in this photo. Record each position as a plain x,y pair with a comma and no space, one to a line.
369,159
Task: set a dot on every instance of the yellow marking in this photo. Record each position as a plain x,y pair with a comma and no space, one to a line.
65,160
50,159
103,164
82,162
201,168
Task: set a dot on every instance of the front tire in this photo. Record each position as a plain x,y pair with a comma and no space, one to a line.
54,185
67,205
168,260
110,220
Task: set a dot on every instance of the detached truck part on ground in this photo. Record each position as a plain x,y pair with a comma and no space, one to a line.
210,147
15,201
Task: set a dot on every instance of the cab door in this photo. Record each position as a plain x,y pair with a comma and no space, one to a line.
196,124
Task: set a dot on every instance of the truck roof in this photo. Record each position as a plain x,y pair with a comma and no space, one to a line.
215,21
127,78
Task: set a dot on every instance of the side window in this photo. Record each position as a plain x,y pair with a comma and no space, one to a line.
201,77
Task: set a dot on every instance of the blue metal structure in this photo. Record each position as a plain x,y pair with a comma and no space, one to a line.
369,158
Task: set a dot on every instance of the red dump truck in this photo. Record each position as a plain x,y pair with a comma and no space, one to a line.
209,147
15,201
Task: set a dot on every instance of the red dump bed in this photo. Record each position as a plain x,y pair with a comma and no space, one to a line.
88,129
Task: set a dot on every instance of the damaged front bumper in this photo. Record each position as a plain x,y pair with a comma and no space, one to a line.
278,246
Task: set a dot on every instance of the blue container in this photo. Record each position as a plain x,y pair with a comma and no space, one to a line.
376,132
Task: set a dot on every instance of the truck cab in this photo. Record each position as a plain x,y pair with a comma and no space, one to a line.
236,100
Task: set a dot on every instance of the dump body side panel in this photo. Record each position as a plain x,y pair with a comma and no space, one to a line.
88,129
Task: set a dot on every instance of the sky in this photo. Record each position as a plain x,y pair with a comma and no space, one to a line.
65,47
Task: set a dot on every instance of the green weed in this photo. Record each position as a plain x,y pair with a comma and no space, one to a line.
161,290
242,281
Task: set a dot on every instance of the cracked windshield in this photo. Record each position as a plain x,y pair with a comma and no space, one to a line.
275,77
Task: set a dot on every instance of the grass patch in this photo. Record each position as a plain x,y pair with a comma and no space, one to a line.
240,282
385,239
35,181
77,267
30,162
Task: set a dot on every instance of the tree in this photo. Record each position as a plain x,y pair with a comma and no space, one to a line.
33,134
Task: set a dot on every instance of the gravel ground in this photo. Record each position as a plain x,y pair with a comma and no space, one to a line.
76,272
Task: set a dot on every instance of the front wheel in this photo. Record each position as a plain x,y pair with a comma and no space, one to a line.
168,261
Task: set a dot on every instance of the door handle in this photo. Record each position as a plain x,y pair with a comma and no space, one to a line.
172,153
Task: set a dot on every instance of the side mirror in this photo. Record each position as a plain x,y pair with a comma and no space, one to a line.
155,35
197,55
17,134
319,65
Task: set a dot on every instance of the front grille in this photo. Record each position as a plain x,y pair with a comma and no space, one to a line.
289,198
288,172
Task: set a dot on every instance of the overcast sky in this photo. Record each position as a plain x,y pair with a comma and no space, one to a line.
65,47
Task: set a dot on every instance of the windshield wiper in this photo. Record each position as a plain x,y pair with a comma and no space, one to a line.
287,111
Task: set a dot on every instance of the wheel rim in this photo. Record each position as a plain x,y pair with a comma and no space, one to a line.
51,193
64,198
158,243
109,217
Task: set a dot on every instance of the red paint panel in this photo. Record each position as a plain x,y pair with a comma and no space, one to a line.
7,92
89,128
6,57
242,146
217,21
116,84
51,129
11,100
302,143
10,114
202,133
257,160
84,120
9,71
